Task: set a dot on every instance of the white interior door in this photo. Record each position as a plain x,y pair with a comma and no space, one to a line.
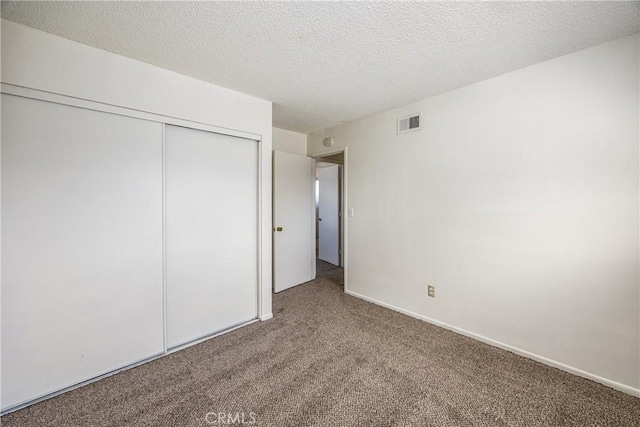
211,193
328,214
81,245
294,260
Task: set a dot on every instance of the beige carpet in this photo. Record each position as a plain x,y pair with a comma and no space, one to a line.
328,359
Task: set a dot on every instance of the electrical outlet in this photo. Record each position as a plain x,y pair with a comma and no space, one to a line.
431,291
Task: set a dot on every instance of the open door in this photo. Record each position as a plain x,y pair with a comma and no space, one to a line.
329,214
294,260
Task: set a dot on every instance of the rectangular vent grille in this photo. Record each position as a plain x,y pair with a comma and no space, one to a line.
409,123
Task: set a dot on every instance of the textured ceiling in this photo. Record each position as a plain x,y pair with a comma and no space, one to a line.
322,63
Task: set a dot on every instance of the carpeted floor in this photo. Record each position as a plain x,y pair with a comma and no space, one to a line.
328,359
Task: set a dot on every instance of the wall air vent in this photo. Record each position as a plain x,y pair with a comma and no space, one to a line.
409,123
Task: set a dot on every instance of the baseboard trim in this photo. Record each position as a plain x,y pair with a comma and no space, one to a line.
550,362
266,317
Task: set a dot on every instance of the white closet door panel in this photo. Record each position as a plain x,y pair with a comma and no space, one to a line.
81,245
211,232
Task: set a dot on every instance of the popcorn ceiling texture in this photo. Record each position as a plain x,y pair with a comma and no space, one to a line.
322,63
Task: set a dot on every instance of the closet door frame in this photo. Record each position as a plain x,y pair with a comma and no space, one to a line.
55,98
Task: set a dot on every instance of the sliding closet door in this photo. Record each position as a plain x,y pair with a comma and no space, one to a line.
81,245
211,232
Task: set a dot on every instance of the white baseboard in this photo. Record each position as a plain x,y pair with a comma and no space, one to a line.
610,383
266,317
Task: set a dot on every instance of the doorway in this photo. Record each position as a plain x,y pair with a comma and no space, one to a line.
330,202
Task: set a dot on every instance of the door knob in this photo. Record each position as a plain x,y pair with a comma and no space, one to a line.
277,229
319,219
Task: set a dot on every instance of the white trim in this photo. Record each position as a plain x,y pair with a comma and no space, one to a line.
345,220
266,317
259,297
314,220
56,98
550,362
165,341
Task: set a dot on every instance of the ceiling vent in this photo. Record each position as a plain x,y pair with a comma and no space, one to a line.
409,123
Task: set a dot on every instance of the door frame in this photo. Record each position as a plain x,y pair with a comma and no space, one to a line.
263,243
344,199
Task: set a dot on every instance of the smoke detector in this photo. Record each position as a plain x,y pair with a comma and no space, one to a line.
328,142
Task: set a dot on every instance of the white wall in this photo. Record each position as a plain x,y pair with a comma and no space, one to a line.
519,202
39,60
289,141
